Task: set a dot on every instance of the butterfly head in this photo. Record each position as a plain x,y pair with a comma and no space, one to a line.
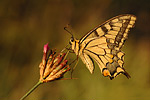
74,45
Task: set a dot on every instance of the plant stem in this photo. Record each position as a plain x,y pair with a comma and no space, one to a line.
31,90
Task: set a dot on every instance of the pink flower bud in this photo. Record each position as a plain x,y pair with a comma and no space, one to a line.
46,48
52,67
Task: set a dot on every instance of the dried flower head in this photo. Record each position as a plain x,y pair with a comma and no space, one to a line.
52,67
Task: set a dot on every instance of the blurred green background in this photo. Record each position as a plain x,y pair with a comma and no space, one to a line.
26,25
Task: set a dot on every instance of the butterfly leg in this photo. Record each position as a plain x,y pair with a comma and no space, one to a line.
68,78
70,50
74,65
65,48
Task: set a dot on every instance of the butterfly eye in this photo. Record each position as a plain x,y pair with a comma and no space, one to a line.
72,39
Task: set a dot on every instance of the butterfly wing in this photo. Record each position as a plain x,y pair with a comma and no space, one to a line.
103,44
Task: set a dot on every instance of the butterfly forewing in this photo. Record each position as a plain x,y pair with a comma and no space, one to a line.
103,45
115,30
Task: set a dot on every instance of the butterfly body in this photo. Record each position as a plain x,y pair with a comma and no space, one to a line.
103,45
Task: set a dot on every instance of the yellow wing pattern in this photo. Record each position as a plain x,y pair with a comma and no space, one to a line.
103,44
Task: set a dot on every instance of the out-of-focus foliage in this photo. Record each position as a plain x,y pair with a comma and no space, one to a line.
26,25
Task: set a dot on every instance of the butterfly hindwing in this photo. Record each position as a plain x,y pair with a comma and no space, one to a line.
106,58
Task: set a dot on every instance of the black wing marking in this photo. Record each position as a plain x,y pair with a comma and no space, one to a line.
106,58
103,44
115,30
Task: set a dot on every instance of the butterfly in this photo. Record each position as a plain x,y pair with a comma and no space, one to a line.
103,45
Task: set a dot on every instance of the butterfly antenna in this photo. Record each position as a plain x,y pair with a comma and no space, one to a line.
65,28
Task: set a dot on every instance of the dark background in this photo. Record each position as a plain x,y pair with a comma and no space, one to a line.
26,25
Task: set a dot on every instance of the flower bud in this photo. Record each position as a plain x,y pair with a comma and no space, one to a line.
52,67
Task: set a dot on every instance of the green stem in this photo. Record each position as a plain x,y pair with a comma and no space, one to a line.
31,90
